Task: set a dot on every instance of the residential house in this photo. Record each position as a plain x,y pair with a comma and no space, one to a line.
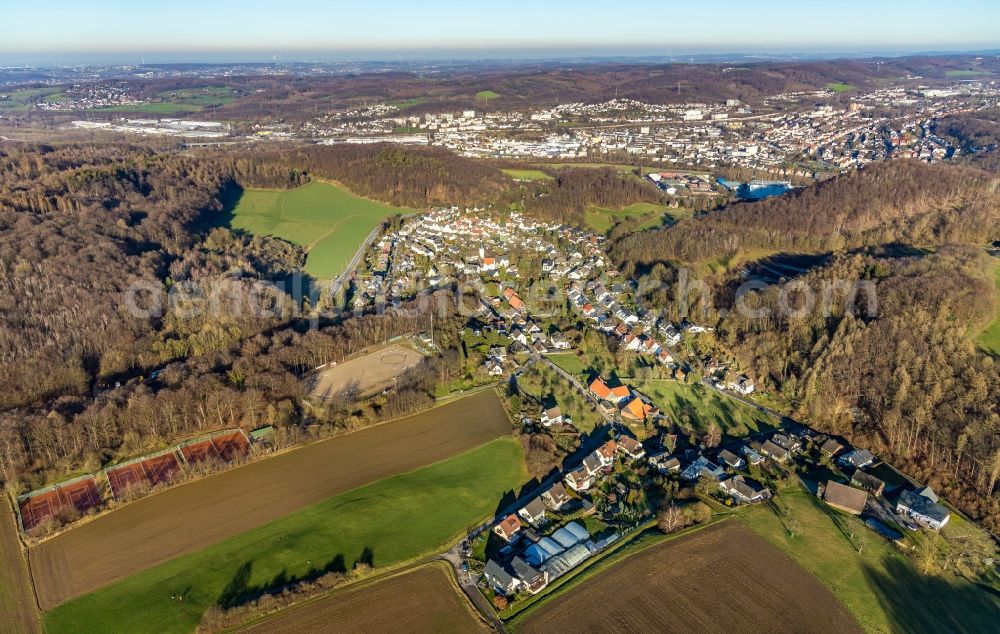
631,447
493,367
605,454
578,479
859,459
637,409
845,498
753,458
559,341
533,512
702,466
665,463
499,579
556,496
730,460
868,482
831,447
745,490
774,452
922,506
791,444
531,579
742,385
552,416
508,527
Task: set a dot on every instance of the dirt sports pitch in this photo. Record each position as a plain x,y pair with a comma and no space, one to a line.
189,517
366,374
421,600
720,579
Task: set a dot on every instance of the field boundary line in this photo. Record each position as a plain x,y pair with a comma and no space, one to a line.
274,454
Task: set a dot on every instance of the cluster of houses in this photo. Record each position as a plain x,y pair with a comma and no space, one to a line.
536,548
910,507
629,403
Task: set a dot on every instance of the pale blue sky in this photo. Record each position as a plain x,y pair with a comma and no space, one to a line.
298,28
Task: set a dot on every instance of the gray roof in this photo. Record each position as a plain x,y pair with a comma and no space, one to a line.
921,505
497,574
534,508
524,571
560,564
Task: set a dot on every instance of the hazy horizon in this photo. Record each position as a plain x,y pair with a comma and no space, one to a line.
114,31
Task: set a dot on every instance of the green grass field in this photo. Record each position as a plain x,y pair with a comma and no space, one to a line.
396,518
599,219
968,72
695,406
23,99
989,339
837,86
181,101
570,362
325,219
486,95
881,586
527,174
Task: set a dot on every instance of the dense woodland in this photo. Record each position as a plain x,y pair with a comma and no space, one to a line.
897,201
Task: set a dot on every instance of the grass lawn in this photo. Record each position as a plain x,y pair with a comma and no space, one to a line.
967,73
695,406
325,219
599,219
527,174
880,587
23,99
486,95
542,383
394,519
989,339
837,86
570,362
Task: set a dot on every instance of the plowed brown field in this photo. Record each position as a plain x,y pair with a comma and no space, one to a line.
721,579
18,613
423,600
186,518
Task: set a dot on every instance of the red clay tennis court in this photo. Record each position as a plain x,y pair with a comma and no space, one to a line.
121,478
82,495
161,468
198,452
232,446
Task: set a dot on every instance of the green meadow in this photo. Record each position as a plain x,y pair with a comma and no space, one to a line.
837,86
384,523
327,220
527,174
600,219
694,406
989,339
880,586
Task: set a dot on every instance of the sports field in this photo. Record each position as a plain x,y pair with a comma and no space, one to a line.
599,219
720,579
364,375
328,221
392,520
881,586
837,86
989,339
186,518
527,174
18,613
424,599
